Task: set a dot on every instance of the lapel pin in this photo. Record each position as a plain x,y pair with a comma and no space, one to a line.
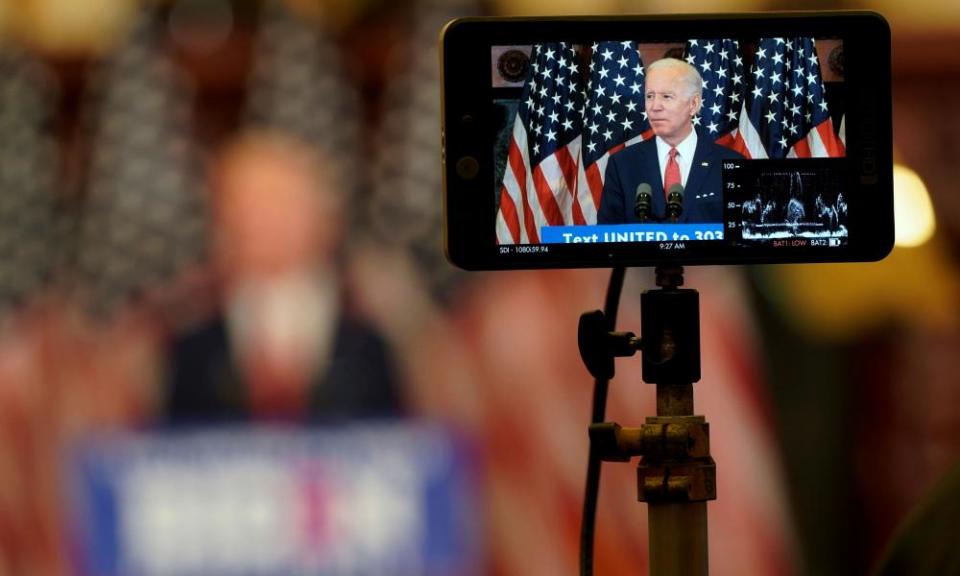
705,164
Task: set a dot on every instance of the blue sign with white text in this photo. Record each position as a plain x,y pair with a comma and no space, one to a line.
363,500
630,233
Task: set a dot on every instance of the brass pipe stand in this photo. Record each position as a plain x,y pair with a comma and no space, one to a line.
676,475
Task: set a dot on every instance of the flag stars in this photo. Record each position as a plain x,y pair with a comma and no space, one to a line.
709,47
619,80
635,88
773,97
732,115
604,73
723,54
616,98
638,70
611,117
554,116
712,127
627,124
705,66
715,109
778,58
718,91
626,44
607,135
607,54
757,92
551,136
550,54
631,106
623,62
568,124
761,54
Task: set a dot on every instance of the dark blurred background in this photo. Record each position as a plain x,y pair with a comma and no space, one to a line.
135,261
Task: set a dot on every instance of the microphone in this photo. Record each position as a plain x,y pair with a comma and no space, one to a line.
674,202
643,205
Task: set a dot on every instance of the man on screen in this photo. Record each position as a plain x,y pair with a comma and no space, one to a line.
678,154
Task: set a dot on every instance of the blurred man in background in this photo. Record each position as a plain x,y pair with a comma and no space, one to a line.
281,343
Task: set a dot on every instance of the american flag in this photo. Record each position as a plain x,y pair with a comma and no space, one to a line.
540,182
724,86
143,223
563,136
615,116
29,227
786,113
298,86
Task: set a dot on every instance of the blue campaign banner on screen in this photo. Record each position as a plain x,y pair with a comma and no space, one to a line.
630,233
364,500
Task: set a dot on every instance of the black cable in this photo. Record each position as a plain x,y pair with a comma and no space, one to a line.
598,414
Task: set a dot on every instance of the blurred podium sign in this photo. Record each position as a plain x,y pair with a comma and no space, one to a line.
363,500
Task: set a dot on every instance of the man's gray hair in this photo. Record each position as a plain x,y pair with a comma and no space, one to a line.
692,82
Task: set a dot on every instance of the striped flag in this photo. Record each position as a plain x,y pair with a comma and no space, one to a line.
615,116
786,114
540,182
724,86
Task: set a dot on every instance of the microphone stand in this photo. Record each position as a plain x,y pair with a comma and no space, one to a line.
676,475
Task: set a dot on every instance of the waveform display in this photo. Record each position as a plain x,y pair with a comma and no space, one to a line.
794,203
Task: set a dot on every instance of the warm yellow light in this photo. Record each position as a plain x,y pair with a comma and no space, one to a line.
912,208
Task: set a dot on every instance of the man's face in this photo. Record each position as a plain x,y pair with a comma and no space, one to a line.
669,109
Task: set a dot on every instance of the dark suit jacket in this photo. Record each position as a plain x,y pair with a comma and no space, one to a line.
205,383
702,197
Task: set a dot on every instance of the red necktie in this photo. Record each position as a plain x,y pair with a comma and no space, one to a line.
672,174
